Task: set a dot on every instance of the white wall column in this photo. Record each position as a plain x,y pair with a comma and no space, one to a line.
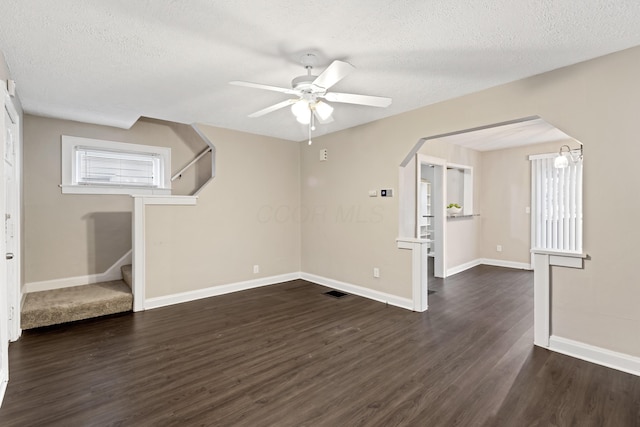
542,262
419,270
138,233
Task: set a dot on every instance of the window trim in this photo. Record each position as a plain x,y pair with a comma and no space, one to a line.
69,167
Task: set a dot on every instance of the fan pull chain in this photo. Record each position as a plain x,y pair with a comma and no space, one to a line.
311,126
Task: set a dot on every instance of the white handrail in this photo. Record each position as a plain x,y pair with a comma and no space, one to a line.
198,157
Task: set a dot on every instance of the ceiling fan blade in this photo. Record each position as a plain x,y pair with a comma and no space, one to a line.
335,72
351,98
265,87
273,108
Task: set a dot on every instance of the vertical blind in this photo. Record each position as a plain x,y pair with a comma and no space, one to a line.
557,205
106,167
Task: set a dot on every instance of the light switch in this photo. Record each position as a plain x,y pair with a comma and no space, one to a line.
324,155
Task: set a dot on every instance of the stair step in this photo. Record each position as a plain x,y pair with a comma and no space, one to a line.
127,274
75,303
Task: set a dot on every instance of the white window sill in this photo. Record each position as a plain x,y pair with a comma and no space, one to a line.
568,254
132,191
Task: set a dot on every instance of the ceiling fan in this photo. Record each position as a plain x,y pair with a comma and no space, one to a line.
310,91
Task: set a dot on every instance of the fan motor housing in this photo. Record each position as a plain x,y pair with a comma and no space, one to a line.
303,83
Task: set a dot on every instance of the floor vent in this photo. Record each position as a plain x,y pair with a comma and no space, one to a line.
336,294
429,292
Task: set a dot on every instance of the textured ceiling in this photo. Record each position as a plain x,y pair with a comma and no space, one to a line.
110,62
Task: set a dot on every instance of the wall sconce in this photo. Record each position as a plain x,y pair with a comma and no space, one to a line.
562,161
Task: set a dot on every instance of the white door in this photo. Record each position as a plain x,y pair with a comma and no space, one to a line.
4,304
12,219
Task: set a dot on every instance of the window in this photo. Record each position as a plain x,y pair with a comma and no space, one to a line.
94,166
460,187
556,198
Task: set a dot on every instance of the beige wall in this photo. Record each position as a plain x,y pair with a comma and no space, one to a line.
346,233
248,215
69,235
595,102
505,195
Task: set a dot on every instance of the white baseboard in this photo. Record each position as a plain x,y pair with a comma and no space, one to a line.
113,273
462,267
507,264
600,356
486,261
164,301
213,291
395,300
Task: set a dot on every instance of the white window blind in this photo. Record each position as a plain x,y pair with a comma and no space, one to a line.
107,167
557,205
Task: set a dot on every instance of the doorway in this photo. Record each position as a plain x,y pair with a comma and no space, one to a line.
431,186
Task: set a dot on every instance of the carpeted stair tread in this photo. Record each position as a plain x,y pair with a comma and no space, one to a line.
127,274
75,303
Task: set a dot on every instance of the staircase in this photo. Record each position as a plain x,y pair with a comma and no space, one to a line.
78,302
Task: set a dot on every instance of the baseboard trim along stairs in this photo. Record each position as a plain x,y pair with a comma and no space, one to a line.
52,307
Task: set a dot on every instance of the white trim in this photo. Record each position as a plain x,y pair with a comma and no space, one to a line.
213,291
560,253
394,300
14,324
97,189
138,264
601,356
439,195
564,261
507,264
68,161
167,200
112,273
462,267
486,261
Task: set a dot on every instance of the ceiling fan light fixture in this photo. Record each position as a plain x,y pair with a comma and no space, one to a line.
302,112
323,109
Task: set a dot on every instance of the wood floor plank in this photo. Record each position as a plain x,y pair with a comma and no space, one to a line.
287,355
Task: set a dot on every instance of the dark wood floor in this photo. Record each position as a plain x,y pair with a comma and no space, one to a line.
287,355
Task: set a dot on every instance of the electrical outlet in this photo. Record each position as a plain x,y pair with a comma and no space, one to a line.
527,210
256,269
373,193
499,248
376,272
